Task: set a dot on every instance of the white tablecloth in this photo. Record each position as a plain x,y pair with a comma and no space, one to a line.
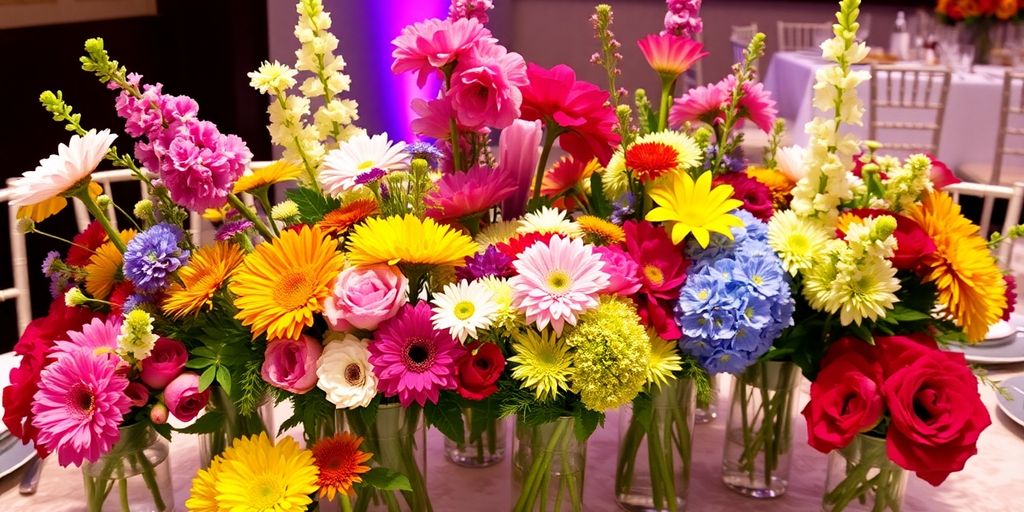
971,118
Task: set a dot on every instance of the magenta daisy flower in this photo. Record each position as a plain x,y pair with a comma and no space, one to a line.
757,105
705,103
557,281
412,359
460,194
79,406
94,338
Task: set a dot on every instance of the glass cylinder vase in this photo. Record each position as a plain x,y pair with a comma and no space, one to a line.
484,439
860,477
235,424
134,476
759,432
398,440
548,464
708,411
655,442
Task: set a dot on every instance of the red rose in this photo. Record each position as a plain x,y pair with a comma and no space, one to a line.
912,241
937,414
478,371
756,197
897,352
183,397
941,175
846,397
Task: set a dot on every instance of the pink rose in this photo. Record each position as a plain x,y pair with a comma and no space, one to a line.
183,397
485,87
363,297
165,363
291,364
137,393
622,269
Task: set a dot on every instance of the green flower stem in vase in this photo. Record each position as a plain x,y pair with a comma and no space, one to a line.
655,446
707,411
137,466
548,466
759,433
861,477
397,439
234,424
484,439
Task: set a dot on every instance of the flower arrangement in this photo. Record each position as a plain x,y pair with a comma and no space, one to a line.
955,11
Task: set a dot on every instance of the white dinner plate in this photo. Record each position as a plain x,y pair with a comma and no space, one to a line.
1003,353
1000,332
1013,408
15,456
8,361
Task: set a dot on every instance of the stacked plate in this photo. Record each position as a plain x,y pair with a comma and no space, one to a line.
1002,345
13,453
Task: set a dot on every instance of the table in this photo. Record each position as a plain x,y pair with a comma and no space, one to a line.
991,482
972,109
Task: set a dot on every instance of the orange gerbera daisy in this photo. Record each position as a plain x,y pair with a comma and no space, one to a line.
104,268
340,220
340,462
970,284
207,270
599,231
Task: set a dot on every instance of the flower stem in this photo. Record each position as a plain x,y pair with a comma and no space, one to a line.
264,199
90,204
551,133
668,86
251,216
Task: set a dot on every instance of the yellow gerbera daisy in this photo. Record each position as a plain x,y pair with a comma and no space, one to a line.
207,270
543,362
599,231
665,360
104,268
203,495
408,240
258,475
797,241
284,282
45,209
277,172
693,207
653,155
970,284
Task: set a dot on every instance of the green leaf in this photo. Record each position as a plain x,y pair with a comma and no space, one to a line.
599,205
312,204
208,422
224,378
586,423
862,332
199,363
483,414
207,378
385,479
642,410
164,430
446,415
206,352
901,313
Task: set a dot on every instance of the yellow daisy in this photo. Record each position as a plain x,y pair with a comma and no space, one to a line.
283,283
665,360
797,241
104,268
203,495
281,170
408,240
970,284
45,209
258,475
543,363
599,231
206,272
693,207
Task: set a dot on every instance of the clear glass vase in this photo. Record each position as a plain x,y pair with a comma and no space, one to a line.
655,441
234,425
484,439
135,475
398,440
708,411
548,464
861,477
759,433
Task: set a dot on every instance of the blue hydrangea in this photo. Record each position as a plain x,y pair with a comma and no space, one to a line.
153,255
736,299
623,208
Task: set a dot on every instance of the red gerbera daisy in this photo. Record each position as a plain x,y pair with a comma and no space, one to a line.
519,243
650,160
340,462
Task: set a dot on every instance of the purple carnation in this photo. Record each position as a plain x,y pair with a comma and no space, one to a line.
59,284
370,176
153,255
231,228
491,262
134,301
51,258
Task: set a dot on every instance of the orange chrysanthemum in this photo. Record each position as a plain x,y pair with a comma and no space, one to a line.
599,231
779,184
340,220
340,462
970,284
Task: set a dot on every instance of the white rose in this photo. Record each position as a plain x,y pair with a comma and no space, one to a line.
344,372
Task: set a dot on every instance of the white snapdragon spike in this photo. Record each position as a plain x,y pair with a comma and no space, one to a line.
362,153
905,184
345,374
58,173
464,309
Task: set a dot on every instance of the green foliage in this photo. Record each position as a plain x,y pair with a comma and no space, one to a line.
385,479
446,415
692,370
586,422
208,422
647,118
312,410
252,387
513,400
599,204
484,413
312,204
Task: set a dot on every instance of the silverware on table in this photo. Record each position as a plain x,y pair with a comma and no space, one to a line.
30,480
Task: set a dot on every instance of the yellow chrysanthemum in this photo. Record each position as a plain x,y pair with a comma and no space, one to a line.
778,183
104,268
277,172
257,475
508,318
408,240
797,241
652,155
43,210
208,269
664,362
498,233
695,207
599,231
970,284
543,363
283,283
203,495
614,179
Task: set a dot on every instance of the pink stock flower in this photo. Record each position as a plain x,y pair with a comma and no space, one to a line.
291,364
183,397
623,272
557,281
79,406
430,45
705,103
671,55
412,359
165,363
363,297
579,108
470,9
141,119
518,153
683,17
460,194
485,87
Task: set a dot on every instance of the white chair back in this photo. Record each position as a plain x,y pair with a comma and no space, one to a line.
19,292
796,36
917,93
1010,138
989,194
105,179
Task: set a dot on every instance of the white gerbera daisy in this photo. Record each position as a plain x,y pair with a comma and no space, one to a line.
344,372
360,154
57,173
548,220
463,308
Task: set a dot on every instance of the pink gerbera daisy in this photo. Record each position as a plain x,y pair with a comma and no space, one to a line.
431,44
460,194
79,406
95,338
412,359
757,105
671,55
557,281
705,103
